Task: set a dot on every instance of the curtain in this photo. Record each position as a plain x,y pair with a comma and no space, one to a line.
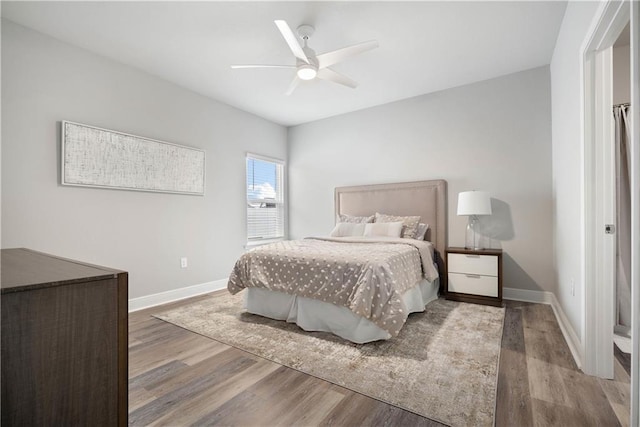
623,208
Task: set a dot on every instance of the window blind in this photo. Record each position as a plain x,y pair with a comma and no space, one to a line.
265,198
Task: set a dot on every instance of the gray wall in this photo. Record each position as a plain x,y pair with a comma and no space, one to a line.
45,81
621,75
494,136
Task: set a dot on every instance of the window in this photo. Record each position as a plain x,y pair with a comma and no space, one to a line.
265,198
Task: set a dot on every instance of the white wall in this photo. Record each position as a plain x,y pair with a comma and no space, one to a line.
494,135
45,81
566,98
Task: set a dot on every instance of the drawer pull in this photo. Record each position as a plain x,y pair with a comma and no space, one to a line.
472,256
473,276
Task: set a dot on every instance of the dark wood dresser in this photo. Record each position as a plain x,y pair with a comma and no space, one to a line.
64,342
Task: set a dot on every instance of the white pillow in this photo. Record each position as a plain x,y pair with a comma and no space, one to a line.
347,229
383,229
410,223
421,231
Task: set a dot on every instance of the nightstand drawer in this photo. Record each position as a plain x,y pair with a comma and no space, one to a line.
473,284
484,265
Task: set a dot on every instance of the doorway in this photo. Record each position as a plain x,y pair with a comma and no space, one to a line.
621,66
599,194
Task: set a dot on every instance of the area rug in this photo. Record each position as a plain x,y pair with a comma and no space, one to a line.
443,365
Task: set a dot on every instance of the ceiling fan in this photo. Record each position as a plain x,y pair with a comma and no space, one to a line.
310,66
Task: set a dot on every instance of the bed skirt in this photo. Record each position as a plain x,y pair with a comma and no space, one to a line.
314,315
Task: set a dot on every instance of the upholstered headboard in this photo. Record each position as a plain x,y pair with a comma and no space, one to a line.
425,198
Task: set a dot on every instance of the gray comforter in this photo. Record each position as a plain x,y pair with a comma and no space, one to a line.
368,276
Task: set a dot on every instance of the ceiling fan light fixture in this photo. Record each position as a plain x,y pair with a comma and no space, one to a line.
310,66
307,72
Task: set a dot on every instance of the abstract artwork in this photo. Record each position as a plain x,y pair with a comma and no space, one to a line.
95,157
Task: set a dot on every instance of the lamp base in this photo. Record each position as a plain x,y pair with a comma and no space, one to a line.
472,238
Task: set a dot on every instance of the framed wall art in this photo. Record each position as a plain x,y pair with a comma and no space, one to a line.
96,157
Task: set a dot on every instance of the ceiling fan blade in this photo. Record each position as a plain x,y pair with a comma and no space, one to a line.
339,55
262,66
329,74
291,40
293,85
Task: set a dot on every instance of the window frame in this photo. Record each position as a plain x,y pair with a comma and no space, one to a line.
251,242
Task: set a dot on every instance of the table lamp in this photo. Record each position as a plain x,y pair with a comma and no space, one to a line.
473,204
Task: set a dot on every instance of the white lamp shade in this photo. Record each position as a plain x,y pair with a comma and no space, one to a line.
474,203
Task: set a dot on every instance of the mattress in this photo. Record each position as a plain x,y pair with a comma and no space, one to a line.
315,315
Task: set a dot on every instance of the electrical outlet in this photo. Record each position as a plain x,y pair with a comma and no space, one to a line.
183,262
573,288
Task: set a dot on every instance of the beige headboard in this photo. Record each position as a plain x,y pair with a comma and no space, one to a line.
425,198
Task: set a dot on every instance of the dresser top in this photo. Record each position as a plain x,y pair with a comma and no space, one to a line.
26,269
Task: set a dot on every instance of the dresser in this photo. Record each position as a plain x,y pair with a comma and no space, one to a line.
64,342
474,275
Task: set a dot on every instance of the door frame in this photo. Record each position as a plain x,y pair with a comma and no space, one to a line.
599,190
597,339
635,212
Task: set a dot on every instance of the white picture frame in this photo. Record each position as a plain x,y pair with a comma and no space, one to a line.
103,158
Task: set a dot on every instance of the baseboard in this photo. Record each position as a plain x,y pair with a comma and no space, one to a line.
543,297
147,301
525,295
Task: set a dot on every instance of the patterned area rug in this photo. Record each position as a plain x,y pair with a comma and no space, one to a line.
443,365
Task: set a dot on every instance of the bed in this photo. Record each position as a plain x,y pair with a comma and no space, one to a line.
361,289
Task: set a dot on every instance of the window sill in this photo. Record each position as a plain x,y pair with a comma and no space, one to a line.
255,243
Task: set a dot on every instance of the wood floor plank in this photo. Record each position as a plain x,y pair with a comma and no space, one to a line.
206,400
622,413
513,380
513,331
618,395
157,353
353,410
513,390
539,316
204,350
185,394
545,382
312,406
617,392
591,400
139,397
250,406
156,374
240,410
391,416
548,347
290,386
548,414
163,386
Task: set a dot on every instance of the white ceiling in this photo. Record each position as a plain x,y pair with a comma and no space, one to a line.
424,46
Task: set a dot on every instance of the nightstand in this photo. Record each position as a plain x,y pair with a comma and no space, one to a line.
474,276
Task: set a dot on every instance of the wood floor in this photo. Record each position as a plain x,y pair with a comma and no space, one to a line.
177,377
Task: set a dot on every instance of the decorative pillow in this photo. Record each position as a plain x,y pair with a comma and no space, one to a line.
410,223
356,219
421,231
347,229
383,229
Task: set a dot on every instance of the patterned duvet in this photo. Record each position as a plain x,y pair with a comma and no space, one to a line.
366,276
